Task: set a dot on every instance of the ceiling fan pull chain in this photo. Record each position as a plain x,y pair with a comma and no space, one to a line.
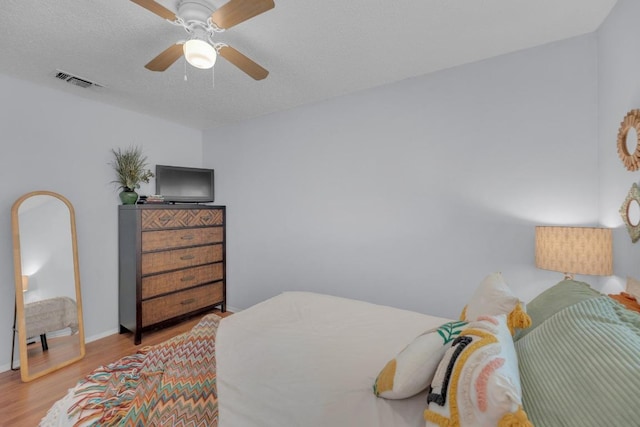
185,70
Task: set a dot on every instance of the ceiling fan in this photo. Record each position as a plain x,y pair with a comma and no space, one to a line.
201,21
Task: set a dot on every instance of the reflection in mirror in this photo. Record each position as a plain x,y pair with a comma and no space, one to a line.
48,301
630,212
633,212
631,141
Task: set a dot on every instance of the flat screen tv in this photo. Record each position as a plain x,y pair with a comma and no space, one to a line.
179,184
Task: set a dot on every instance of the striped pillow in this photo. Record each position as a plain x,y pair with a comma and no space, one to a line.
581,366
554,299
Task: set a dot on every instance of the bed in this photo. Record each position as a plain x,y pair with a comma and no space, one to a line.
304,359
307,359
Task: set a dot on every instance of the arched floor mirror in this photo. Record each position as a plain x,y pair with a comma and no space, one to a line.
48,299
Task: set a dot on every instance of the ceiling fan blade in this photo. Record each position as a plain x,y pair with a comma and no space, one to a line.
156,8
166,58
245,64
237,11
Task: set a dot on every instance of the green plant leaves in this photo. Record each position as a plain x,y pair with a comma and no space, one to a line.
130,167
449,331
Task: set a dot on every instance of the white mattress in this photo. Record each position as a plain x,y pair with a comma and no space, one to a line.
305,359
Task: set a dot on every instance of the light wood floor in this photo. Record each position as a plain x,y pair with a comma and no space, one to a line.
24,404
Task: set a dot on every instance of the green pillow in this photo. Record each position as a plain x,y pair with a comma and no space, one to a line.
580,368
554,299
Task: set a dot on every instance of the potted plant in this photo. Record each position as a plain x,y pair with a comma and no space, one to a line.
131,169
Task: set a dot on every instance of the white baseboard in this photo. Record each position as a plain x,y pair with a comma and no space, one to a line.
7,366
101,335
233,309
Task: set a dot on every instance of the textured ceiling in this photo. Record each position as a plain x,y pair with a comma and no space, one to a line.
313,49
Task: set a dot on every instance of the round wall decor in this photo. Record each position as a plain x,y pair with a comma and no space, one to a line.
629,140
630,212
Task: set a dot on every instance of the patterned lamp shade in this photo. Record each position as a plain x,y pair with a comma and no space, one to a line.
575,250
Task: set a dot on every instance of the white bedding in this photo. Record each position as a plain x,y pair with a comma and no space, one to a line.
305,359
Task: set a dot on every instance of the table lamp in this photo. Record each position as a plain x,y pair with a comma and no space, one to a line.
575,250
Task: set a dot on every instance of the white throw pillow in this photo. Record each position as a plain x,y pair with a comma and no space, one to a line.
633,287
411,371
493,297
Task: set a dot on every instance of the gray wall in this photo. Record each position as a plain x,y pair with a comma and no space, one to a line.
59,142
409,194
619,92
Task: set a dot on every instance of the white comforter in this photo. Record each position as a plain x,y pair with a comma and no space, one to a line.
305,359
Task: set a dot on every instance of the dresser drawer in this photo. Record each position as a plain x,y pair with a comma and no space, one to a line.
154,219
167,239
163,308
171,263
182,279
156,262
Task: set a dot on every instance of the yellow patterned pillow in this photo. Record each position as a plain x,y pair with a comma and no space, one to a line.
412,369
477,383
492,297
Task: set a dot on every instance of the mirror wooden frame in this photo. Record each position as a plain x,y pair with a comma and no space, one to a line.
25,374
631,160
632,196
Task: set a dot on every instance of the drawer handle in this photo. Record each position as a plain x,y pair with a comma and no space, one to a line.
186,257
187,237
165,218
188,278
188,301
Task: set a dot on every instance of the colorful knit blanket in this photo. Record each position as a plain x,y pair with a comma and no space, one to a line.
170,384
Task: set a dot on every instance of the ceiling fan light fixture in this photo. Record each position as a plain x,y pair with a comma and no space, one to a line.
200,54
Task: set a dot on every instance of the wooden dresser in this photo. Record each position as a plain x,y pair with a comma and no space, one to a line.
171,264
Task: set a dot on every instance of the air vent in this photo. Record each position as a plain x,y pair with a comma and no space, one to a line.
75,80
62,76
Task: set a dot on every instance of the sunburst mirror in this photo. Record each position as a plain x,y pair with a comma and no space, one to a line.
629,140
630,212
